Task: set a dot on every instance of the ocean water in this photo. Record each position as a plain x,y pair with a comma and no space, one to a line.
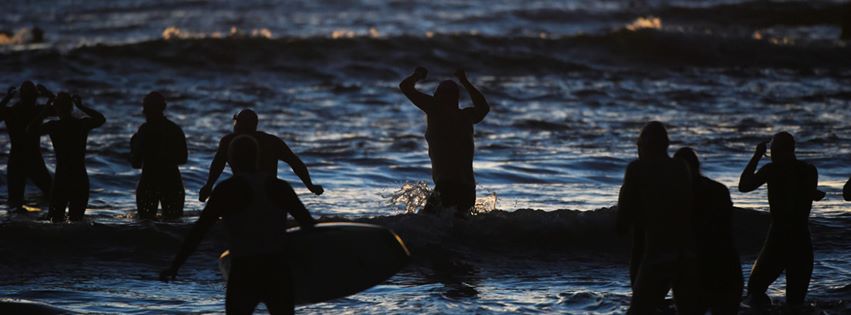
570,84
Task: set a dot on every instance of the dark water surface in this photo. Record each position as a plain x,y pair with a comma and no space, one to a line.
569,82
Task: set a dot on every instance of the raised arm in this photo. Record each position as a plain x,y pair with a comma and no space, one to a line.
286,154
9,94
216,168
211,213
420,99
37,127
480,104
95,119
750,179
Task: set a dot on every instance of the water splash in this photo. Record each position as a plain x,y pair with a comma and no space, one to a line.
641,23
411,196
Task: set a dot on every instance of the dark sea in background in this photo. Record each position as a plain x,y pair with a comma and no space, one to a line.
570,84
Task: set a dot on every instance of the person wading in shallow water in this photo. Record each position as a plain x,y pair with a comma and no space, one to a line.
25,160
253,206
69,136
792,188
272,149
158,148
449,133
720,267
657,199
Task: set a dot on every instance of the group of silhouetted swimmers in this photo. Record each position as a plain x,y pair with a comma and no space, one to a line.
682,235
680,220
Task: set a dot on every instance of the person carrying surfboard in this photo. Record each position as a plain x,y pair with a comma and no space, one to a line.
253,206
449,133
272,149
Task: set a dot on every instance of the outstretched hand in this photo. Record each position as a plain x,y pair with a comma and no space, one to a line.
204,193
761,148
168,274
461,75
316,189
420,73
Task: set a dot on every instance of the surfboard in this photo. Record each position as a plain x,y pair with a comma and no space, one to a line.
333,260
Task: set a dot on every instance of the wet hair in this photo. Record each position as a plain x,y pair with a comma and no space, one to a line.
63,103
246,120
690,157
782,143
447,93
243,153
154,102
654,137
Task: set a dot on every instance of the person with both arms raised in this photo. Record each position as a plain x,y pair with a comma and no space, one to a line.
449,133
25,159
69,136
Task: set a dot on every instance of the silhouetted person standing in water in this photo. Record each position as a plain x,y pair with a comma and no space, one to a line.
272,149
253,205
449,133
656,197
792,187
158,148
69,135
25,160
718,260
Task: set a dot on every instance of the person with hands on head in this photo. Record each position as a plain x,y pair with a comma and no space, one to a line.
449,133
792,188
69,135
253,205
272,149
25,159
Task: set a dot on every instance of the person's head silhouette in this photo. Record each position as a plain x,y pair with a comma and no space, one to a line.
245,121
447,94
653,141
782,147
243,154
153,105
28,93
690,157
63,105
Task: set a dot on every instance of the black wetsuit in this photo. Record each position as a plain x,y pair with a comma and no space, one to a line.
71,185
158,148
450,146
25,159
788,246
718,260
254,210
656,198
